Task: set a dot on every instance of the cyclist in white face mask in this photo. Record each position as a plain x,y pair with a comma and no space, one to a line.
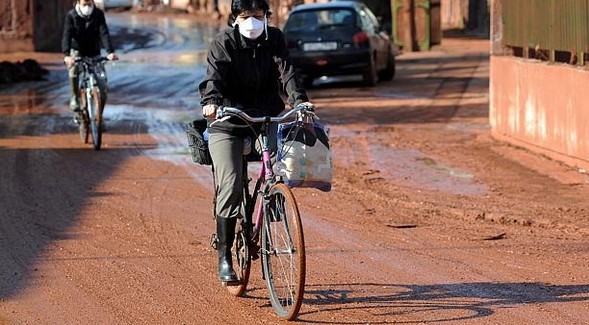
248,67
84,31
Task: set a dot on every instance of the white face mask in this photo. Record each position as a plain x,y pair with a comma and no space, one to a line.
251,28
86,10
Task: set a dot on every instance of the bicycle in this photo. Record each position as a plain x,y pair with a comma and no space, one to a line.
90,100
271,226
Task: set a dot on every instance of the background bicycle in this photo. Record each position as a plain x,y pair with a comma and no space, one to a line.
92,99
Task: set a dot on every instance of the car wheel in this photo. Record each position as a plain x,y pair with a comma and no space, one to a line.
389,72
370,77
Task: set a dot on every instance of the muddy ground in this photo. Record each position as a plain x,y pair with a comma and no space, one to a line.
430,219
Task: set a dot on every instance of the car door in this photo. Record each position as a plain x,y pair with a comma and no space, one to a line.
379,42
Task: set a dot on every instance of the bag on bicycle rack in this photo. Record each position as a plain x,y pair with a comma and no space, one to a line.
304,155
198,144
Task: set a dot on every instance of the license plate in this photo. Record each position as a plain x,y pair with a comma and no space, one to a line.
320,46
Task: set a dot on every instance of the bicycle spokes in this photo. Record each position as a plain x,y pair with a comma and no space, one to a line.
283,255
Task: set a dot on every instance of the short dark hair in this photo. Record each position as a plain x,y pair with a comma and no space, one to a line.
239,6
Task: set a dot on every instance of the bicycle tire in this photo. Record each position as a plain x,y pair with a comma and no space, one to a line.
83,129
83,126
242,263
95,116
283,252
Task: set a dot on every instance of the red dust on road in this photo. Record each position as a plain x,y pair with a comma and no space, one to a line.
430,219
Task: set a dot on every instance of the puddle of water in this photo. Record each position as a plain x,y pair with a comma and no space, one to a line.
166,126
411,166
407,166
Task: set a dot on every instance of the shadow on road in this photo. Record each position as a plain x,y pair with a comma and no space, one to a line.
436,303
425,90
42,198
45,189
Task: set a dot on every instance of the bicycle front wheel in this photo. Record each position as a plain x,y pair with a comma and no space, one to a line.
283,252
95,116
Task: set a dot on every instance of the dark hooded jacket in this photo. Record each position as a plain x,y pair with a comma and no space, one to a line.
86,34
251,75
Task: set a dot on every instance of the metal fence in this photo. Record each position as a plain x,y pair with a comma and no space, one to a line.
551,30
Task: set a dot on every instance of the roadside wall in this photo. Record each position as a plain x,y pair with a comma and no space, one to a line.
538,105
49,17
541,107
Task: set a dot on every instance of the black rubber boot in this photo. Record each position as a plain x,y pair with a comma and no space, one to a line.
225,236
75,94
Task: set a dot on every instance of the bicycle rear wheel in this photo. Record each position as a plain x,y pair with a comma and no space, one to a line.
283,252
95,116
243,249
83,126
242,262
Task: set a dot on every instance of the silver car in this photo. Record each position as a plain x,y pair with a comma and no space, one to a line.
108,4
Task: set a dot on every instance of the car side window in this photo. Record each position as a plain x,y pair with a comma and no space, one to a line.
372,17
367,23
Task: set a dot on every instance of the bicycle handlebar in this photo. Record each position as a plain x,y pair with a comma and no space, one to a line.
225,112
90,60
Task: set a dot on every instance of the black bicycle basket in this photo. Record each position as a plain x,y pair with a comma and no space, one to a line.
197,144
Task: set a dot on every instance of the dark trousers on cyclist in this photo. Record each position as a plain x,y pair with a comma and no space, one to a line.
227,152
73,74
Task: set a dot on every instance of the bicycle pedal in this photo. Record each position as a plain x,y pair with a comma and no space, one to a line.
254,251
231,283
77,118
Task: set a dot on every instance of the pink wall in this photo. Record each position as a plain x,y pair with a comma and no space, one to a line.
544,107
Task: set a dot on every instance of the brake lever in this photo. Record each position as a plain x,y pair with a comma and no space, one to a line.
307,115
222,119
219,113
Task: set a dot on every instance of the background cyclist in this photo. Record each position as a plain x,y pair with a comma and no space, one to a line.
84,31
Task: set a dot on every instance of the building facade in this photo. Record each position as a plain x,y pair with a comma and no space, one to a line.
32,25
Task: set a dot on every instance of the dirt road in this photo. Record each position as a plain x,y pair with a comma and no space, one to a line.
430,220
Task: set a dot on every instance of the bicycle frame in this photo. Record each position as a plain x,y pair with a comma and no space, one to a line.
266,172
88,78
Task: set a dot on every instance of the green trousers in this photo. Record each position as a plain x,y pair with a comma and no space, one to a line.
227,152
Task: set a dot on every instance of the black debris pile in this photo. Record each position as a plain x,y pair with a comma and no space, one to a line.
26,70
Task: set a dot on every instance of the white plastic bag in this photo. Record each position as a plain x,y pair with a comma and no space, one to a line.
304,155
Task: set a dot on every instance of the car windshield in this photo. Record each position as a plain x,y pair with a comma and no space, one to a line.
312,20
